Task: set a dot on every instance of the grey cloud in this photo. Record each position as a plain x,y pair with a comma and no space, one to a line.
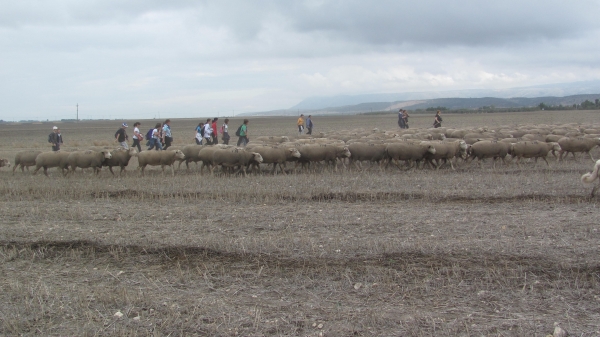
469,22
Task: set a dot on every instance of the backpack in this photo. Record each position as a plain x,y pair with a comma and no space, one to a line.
149,134
239,130
50,137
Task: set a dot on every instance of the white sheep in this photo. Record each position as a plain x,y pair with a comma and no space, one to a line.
589,178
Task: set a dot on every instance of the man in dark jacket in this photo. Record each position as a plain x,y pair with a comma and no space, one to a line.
55,138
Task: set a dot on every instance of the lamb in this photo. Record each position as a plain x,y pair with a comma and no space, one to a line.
533,150
589,178
51,159
120,157
577,145
24,159
162,158
86,159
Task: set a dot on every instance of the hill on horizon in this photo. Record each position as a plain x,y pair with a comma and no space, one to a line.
450,103
548,90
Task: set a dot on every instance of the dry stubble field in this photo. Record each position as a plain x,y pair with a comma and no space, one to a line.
476,251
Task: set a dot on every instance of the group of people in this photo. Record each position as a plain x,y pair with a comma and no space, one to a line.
159,137
208,133
403,119
309,124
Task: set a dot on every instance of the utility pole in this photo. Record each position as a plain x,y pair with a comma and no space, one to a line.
77,111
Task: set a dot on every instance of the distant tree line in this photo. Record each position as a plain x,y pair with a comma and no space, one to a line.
441,108
585,105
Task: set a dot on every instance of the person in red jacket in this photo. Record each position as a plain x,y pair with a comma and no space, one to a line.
215,133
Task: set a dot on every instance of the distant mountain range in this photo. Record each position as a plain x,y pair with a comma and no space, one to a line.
551,94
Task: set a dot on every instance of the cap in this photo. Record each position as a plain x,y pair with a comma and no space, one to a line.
124,124
55,128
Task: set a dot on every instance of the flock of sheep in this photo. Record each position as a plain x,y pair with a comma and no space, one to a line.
434,148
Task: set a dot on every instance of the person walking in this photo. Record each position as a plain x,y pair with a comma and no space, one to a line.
225,132
121,136
137,136
55,139
215,134
405,116
243,140
309,125
401,123
437,122
300,124
155,142
199,133
208,132
167,134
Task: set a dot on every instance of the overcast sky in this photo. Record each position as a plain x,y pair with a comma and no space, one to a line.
145,58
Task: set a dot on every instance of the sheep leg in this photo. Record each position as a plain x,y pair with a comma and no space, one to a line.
546,161
282,167
590,153
595,189
451,165
111,171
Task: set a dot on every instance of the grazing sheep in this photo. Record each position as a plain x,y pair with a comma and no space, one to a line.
374,153
235,157
589,178
4,162
532,150
205,155
52,159
325,152
277,156
271,139
24,159
409,152
120,157
489,149
162,158
191,155
446,152
577,145
87,159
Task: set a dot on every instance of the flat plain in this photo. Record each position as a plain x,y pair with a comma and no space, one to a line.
473,252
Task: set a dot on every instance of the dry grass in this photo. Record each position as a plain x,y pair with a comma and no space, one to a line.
476,251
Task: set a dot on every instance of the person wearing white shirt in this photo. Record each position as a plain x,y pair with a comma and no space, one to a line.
208,131
137,136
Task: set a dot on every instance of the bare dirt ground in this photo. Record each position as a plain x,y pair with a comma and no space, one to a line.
476,251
